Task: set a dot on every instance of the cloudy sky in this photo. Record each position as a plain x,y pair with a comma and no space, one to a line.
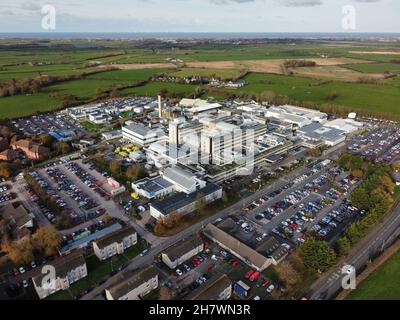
201,15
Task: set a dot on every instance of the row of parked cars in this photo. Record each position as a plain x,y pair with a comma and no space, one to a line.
195,262
87,178
5,194
52,193
297,222
65,184
378,144
334,219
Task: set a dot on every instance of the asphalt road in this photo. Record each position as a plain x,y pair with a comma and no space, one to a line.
379,239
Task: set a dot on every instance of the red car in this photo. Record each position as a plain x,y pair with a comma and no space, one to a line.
248,274
210,267
255,276
234,263
196,262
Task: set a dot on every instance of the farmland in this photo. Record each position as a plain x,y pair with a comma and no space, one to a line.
121,64
357,96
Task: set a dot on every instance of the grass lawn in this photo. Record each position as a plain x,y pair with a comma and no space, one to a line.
383,284
84,90
91,127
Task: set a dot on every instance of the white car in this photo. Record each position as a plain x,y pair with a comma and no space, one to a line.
22,270
179,272
270,288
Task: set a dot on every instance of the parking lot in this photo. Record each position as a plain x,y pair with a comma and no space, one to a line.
293,208
45,123
197,271
7,193
379,144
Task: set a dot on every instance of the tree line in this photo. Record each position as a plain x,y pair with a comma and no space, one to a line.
376,195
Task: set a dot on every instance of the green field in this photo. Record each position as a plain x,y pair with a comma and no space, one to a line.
69,60
153,88
127,75
383,284
84,90
223,74
375,67
365,97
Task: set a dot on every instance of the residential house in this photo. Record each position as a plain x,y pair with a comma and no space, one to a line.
219,287
32,150
182,251
67,270
133,285
8,155
17,220
115,243
3,144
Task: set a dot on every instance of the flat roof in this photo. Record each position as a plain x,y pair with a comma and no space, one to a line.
84,241
154,185
181,199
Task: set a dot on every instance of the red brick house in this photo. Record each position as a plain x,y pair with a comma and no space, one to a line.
32,150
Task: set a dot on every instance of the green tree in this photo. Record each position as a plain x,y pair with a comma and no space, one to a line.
343,246
317,254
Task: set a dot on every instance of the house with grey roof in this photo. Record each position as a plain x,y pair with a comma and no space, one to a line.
219,287
273,249
63,273
133,285
251,257
17,219
115,243
182,251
